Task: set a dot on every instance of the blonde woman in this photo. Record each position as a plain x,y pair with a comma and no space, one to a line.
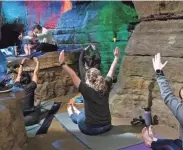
97,118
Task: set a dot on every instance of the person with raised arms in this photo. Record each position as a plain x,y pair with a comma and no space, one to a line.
173,103
96,118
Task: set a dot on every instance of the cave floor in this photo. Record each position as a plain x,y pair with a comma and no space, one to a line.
66,142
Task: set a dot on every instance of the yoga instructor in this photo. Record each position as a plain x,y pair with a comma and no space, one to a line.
45,38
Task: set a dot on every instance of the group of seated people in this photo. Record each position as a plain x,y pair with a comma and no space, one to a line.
39,39
95,89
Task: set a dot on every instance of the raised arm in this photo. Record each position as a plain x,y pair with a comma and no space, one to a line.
97,57
20,70
69,70
167,95
36,71
82,69
114,63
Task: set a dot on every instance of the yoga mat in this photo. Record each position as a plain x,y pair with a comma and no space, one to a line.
112,140
45,108
140,146
48,120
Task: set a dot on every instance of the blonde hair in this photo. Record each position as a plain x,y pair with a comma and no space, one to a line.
95,80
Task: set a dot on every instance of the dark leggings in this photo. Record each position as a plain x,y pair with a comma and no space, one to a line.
166,144
32,117
45,47
87,129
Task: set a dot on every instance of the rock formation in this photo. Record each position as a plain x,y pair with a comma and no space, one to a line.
160,30
12,130
53,81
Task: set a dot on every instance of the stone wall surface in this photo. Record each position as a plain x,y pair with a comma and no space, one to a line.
155,9
12,130
79,24
136,80
95,22
53,81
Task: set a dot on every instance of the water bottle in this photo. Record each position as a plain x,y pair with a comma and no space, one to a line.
147,116
2,63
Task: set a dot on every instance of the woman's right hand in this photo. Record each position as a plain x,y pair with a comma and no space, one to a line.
61,57
117,52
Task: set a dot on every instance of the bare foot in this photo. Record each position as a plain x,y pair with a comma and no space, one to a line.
76,111
147,139
71,102
151,133
69,110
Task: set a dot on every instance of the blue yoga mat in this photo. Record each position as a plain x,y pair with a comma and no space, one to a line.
79,99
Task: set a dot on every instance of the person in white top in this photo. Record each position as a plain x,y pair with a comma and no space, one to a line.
45,38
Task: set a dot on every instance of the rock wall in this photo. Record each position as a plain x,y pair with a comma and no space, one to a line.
12,130
161,10
96,22
52,80
136,82
75,24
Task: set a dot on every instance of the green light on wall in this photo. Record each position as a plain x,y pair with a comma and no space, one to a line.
113,21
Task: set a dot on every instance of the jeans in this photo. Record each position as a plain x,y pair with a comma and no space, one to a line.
166,144
88,129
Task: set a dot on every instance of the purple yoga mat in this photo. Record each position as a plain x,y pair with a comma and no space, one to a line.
137,147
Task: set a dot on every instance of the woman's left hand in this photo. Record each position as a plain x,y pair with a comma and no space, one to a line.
62,57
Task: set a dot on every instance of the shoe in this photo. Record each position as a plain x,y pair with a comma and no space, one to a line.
6,88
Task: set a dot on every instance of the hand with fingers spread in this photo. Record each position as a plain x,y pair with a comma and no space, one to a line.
157,64
61,57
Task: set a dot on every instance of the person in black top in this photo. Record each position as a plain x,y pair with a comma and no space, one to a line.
31,112
87,61
97,118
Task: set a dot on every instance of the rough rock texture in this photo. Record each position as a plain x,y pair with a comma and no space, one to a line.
159,9
12,129
136,81
53,81
95,22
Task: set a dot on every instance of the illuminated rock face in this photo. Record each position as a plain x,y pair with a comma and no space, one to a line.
135,81
53,81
